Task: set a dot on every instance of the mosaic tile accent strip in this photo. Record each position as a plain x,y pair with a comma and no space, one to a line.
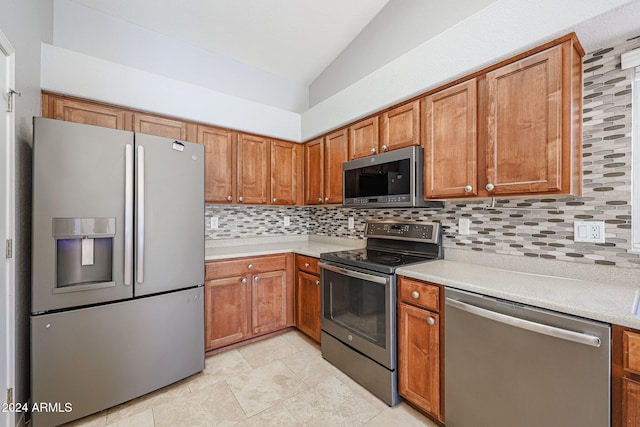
538,227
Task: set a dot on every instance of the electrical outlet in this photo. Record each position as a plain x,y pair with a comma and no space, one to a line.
350,223
589,231
287,221
214,222
463,225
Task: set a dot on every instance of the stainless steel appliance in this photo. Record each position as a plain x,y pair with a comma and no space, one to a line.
508,364
117,267
359,301
392,179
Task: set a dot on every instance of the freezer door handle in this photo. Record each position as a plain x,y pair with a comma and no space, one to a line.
140,254
128,214
540,328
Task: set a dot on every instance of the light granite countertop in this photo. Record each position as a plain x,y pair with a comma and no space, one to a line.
606,294
256,246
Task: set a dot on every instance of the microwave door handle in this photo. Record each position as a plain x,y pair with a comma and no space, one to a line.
128,214
355,274
140,254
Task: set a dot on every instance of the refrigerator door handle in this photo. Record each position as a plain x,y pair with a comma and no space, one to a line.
140,254
128,214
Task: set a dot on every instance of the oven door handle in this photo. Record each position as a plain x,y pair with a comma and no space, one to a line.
356,274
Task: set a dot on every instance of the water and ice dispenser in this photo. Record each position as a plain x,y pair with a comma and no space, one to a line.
84,253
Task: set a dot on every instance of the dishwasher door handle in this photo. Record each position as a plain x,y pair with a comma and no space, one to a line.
540,328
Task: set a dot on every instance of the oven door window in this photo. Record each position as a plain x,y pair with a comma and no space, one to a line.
357,305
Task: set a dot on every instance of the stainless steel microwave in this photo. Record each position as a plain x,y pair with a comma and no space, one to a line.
393,179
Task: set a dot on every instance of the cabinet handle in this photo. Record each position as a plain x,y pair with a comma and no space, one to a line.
468,189
384,148
431,320
373,151
255,279
240,198
306,264
274,200
229,198
490,187
319,199
415,294
250,266
326,199
244,280
317,282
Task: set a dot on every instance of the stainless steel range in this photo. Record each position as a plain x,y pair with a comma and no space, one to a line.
359,301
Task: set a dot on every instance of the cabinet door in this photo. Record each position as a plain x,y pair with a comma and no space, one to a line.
400,127
162,126
88,113
314,172
419,358
286,173
220,164
308,304
227,303
268,302
450,142
363,138
524,125
253,169
336,152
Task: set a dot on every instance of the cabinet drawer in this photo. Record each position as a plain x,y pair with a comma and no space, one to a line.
631,343
308,264
420,294
240,266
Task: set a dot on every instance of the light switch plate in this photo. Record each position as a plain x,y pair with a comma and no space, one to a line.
589,231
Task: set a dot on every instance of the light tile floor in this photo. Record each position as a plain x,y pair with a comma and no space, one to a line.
281,381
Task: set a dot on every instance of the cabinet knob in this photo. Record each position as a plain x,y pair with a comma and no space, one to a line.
244,280
250,266
326,199
415,294
274,200
317,282
319,199
490,187
229,198
431,320
468,189
373,151
255,279
384,148
240,198
306,264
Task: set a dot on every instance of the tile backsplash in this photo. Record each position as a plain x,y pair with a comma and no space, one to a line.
538,227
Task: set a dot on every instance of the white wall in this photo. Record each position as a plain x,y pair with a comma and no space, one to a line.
93,33
399,27
502,29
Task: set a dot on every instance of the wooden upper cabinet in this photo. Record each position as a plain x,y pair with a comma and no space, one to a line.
220,164
450,143
336,152
400,127
524,148
314,172
85,112
253,169
364,138
163,126
286,173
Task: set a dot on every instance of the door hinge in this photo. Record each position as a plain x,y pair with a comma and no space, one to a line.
10,98
9,396
9,248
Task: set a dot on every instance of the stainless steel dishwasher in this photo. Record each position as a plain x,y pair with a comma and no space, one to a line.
512,365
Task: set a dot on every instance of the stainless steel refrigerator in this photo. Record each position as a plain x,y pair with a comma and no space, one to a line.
117,267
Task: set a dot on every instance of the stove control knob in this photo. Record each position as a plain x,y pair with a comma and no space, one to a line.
350,337
431,320
415,294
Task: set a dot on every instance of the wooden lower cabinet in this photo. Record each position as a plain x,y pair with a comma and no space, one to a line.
308,296
246,298
420,332
625,377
